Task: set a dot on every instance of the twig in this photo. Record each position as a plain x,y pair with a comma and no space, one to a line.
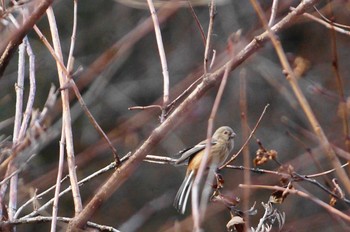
326,24
109,167
66,122
93,121
42,219
184,93
9,45
159,159
245,133
28,202
58,182
162,58
331,21
247,140
63,138
19,86
18,170
32,89
199,25
144,107
318,184
70,61
208,40
339,82
212,60
273,12
199,211
17,127
302,194
76,90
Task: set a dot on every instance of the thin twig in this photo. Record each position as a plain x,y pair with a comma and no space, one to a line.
66,115
329,208
245,133
19,86
32,90
58,182
273,12
42,219
12,205
325,23
198,211
184,93
9,45
70,61
109,167
208,40
31,200
199,25
93,121
340,85
63,138
212,60
297,177
145,107
331,21
247,140
159,159
77,93
162,59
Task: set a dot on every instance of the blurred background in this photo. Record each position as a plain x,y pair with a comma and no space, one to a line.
134,78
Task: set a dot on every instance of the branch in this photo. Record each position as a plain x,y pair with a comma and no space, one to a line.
302,194
66,114
118,178
9,45
41,219
162,58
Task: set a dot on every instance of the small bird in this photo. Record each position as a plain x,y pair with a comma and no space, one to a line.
221,145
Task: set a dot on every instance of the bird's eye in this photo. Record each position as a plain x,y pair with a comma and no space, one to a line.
226,132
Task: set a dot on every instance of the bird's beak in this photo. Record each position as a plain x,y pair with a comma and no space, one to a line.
233,135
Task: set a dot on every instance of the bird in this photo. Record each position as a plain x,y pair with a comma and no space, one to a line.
222,143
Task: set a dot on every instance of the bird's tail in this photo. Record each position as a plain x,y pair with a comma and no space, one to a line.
183,193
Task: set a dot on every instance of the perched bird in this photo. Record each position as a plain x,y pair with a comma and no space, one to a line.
221,145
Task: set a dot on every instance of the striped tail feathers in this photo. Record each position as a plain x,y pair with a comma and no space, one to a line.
183,193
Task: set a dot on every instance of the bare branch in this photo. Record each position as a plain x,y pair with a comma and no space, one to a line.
162,58
123,173
329,208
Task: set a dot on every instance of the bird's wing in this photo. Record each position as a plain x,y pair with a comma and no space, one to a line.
186,154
